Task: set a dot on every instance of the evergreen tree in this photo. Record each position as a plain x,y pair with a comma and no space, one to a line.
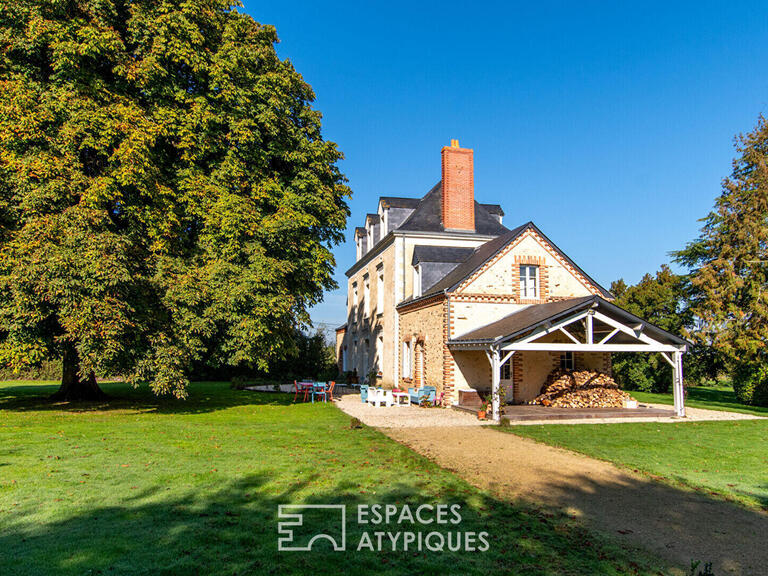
165,191
729,269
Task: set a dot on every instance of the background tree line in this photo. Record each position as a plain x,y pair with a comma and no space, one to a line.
721,302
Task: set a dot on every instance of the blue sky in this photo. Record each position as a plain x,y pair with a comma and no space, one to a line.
609,125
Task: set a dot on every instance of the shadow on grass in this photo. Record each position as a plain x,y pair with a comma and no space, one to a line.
233,530
203,397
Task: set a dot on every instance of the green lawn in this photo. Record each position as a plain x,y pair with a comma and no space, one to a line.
713,398
148,486
728,459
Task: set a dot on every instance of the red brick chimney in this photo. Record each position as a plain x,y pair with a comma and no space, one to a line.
458,188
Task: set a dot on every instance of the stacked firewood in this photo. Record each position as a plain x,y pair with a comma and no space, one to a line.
580,389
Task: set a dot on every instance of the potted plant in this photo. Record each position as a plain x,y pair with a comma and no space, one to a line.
483,412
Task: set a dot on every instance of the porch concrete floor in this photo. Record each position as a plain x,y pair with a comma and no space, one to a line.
525,413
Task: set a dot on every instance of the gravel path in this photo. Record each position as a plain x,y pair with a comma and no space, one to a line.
406,416
675,524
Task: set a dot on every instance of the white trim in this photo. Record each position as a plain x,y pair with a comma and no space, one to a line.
544,330
562,347
611,335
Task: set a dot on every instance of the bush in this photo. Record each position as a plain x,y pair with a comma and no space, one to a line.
644,372
750,383
48,370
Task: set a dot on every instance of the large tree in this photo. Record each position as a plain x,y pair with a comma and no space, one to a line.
166,195
660,300
729,268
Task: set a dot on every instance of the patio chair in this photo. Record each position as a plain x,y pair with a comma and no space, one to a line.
303,388
364,393
427,393
326,392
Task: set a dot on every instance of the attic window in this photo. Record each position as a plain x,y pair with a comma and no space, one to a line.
417,281
529,282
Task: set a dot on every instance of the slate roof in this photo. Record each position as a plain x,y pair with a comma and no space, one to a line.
493,209
428,216
486,251
524,321
360,231
372,217
449,254
398,202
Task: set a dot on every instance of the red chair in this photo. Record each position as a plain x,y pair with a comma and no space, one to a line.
304,388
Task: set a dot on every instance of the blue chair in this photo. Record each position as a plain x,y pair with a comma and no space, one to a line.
417,395
318,389
364,393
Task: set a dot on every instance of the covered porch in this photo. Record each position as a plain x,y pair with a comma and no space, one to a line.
589,328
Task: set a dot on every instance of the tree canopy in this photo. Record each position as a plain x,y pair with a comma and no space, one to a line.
729,268
660,300
165,191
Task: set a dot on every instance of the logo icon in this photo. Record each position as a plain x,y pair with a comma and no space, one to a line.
295,535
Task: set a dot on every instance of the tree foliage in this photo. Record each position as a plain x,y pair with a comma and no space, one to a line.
165,191
729,268
660,300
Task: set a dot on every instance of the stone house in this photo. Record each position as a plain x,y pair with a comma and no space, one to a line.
444,294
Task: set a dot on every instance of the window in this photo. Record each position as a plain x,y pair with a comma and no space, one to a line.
506,370
529,282
380,291
354,302
566,361
344,360
406,359
379,353
366,296
417,281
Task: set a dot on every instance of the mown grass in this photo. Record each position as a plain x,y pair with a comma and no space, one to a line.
159,486
728,459
711,398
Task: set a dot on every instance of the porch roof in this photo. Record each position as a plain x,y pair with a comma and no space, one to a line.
536,320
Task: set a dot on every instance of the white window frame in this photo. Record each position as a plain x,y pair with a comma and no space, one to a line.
407,359
417,281
366,296
529,274
380,290
506,370
355,296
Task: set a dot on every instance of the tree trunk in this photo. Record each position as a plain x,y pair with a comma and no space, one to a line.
73,388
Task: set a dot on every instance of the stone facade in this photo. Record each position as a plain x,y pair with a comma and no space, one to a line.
385,310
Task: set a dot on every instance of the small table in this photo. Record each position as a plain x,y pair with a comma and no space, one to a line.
401,398
377,396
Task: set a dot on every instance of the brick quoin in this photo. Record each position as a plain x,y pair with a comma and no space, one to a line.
458,205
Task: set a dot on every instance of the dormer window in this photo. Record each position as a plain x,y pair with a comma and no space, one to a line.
417,281
529,282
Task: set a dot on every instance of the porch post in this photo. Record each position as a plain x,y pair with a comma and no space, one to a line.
678,392
495,381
